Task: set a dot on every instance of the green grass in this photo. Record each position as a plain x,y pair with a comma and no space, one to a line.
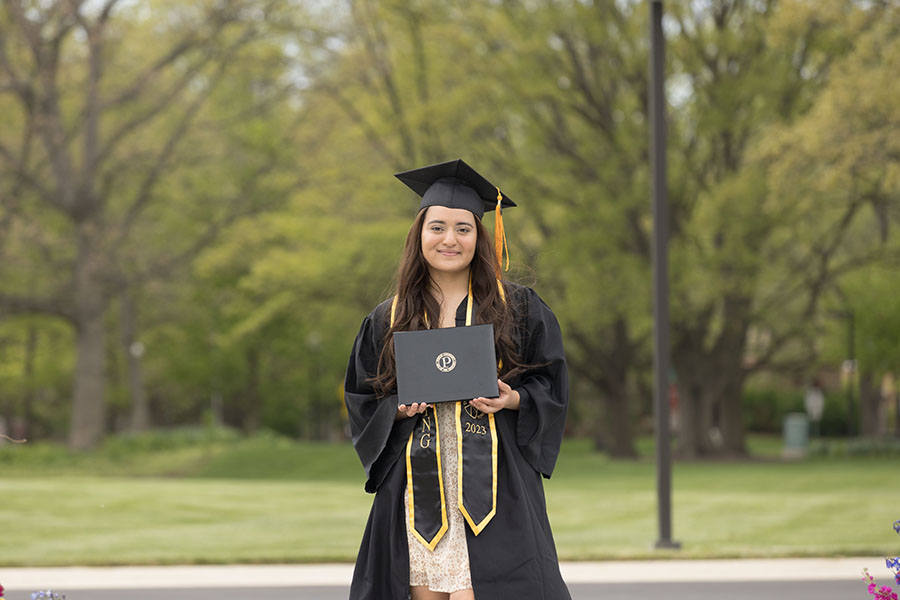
221,499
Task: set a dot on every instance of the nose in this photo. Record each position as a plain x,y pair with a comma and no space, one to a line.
449,237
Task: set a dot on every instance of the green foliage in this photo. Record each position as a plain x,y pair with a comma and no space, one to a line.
134,445
272,226
835,419
36,361
873,295
207,452
765,409
856,448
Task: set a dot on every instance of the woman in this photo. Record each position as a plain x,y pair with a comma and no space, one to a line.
449,276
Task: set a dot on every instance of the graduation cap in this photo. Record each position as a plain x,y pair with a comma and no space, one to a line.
455,184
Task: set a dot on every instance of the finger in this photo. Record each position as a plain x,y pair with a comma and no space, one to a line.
487,408
504,387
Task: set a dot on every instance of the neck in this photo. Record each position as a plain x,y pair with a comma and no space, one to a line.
449,285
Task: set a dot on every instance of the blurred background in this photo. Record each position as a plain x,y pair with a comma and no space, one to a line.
197,206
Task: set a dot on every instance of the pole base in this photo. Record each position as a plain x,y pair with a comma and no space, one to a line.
666,545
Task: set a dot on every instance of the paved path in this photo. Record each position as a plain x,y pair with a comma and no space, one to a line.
788,590
794,579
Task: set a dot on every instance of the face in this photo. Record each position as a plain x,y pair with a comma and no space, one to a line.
448,238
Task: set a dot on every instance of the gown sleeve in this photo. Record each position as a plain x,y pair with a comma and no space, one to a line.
379,440
543,389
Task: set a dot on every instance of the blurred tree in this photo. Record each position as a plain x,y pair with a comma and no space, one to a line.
576,73
873,296
841,164
102,106
739,261
566,90
216,175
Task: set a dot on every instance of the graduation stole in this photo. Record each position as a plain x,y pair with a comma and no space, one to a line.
476,455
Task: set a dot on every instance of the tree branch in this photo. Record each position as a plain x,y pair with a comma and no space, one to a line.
165,102
166,153
165,265
376,43
374,138
11,304
192,40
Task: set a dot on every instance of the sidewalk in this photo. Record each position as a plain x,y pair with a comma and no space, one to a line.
626,571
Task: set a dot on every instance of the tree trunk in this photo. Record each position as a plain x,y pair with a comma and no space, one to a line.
133,350
89,403
7,402
28,376
711,379
688,420
88,407
618,436
895,400
619,364
732,424
607,365
695,418
869,404
622,437
250,420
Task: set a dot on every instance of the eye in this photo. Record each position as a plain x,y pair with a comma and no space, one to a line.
464,230
436,228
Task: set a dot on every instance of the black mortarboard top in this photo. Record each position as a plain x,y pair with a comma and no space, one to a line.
454,184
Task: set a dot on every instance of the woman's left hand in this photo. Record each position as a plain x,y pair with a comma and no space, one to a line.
509,398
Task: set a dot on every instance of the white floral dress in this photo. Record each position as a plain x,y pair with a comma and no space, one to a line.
446,569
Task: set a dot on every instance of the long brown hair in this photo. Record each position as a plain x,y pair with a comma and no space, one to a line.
414,301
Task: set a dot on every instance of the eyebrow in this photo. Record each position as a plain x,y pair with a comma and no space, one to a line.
441,222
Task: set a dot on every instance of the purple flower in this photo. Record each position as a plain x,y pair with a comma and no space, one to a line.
51,595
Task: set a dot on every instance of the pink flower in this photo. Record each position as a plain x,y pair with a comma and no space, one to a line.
885,593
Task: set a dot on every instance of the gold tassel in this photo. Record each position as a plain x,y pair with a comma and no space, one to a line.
500,244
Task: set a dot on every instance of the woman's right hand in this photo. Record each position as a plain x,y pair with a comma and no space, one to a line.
404,412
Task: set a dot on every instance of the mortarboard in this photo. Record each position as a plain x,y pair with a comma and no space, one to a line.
455,184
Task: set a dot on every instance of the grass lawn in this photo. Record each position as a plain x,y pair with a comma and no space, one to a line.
272,500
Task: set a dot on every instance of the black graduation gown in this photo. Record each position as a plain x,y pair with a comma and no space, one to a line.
514,556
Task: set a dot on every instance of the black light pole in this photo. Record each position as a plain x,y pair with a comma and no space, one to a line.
660,277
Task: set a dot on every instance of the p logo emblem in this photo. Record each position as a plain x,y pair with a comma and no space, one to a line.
445,362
